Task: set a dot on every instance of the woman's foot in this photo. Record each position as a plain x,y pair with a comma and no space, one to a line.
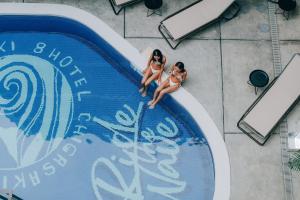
149,102
144,93
152,106
141,89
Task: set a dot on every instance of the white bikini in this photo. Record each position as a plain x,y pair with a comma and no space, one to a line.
171,82
155,70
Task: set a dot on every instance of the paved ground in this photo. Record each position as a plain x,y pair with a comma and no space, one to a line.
219,61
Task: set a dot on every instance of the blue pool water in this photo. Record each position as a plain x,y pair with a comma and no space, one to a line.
74,126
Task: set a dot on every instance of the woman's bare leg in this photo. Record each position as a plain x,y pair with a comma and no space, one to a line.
147,74
162,93
163,85
148,81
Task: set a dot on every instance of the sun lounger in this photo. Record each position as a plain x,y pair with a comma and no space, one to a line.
273,104
7,195
194,17
119,5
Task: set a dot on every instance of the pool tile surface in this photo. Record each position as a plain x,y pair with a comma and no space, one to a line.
250,24
255,170
239,59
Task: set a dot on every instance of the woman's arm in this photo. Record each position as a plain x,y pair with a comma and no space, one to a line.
159,76
148,63
162,69
184,76
171,70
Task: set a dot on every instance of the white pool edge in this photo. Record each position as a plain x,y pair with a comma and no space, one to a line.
200,115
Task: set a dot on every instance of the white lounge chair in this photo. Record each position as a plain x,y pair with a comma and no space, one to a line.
6,194
273,104
198,15
119,5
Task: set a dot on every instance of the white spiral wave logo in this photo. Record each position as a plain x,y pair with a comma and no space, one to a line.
36,109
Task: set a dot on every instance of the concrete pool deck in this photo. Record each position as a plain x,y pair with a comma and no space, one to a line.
219,61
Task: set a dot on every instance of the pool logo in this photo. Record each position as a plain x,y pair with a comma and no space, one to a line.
36,109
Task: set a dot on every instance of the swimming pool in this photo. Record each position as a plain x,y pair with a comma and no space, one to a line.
73,125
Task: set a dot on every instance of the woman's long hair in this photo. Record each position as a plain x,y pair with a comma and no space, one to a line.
157,52
180,65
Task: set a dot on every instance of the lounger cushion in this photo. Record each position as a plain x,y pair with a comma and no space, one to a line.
275,103
121,2
195,17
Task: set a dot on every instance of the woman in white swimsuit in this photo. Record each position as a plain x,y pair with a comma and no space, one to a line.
177,75
155,67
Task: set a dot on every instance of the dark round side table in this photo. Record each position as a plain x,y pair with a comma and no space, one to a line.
258,78
154,7
287,6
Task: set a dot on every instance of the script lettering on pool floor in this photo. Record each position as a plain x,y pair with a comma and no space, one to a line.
137,155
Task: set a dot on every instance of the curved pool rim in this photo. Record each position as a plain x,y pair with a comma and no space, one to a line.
196,110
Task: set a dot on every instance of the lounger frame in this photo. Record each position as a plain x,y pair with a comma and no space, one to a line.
7,194
254,135
164,32
118,9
